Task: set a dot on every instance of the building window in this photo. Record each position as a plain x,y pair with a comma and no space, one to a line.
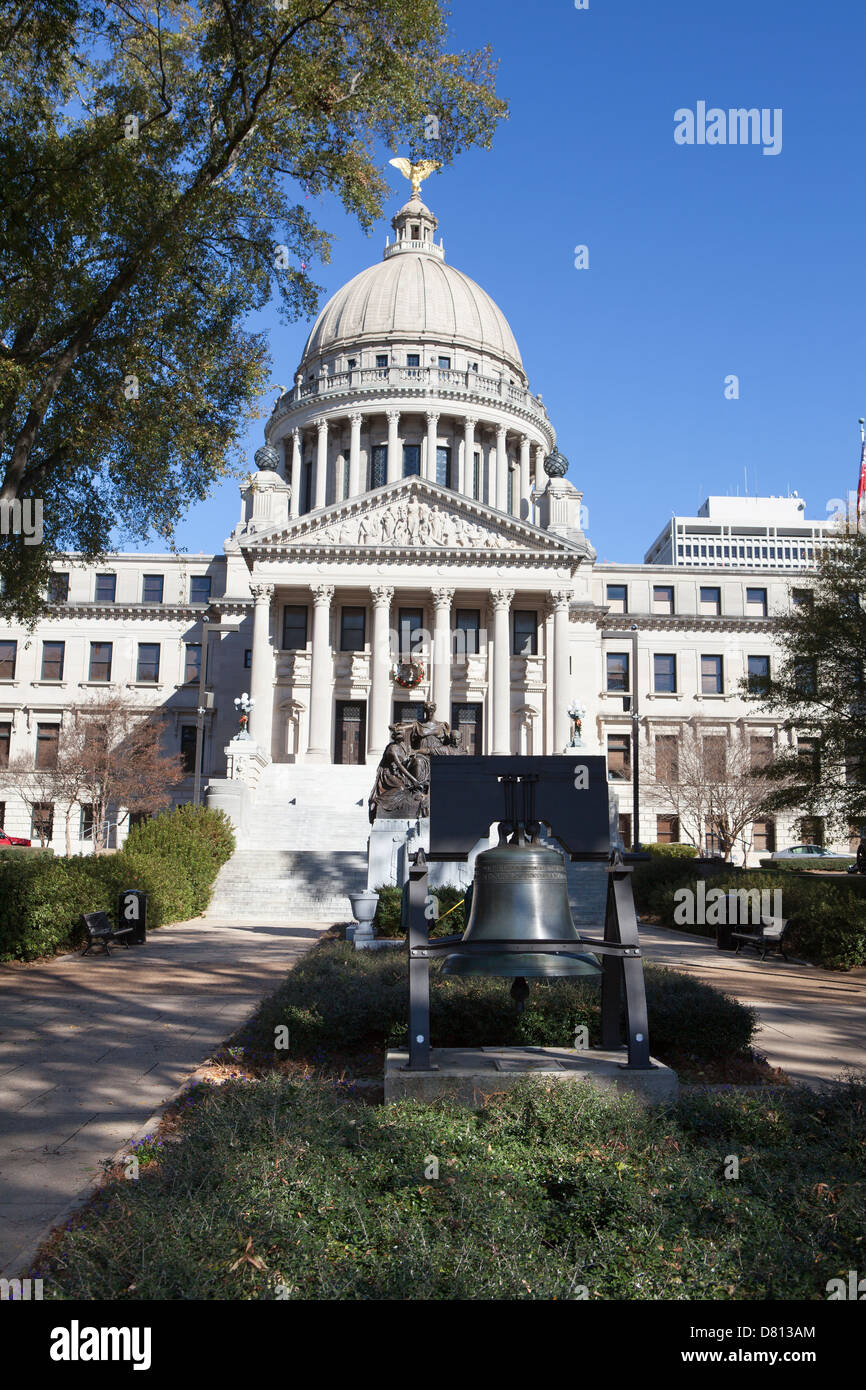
187,748
667,830
106,588
47,744
617,671
760,751
58,588
8,660
2,815
353,629
381,359
294,628
410,630
344,491
714,838
444,364
100,661
617,598
192,664
42,822
443,466
756,603
711,601
509,503
764,836
711,675
147,668
619,757
151,588
664,673
411,460
715,757
199,588
663,598
468,631
802,598
352,363
623,822
248,659
53,654
307,486
758,672
5,741
476,475
667,758
805,675
812,830
807,748
413,359
85,826
525,632
379,466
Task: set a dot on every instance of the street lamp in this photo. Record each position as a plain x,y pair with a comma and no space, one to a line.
630,704
205,698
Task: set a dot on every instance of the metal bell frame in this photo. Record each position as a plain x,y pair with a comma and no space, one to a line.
465,799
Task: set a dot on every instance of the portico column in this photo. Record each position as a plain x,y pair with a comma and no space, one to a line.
318,747
501,601
296,473
356,419
432,436
262,672
442,653
560,600
540,475
395,463
380,685
524,478
501,470
321,463
466,482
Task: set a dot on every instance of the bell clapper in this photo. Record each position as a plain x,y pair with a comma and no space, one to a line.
520,993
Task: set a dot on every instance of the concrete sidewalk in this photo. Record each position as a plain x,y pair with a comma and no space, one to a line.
812,1022
90,1047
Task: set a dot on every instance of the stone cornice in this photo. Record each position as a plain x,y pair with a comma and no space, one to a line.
170,612
680,622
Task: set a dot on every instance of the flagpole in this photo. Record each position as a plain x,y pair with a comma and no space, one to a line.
861,482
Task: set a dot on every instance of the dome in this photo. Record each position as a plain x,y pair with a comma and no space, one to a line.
417,297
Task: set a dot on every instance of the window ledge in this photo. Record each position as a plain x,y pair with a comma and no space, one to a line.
144,685
663,695
712,695
4,680
61,683
101,684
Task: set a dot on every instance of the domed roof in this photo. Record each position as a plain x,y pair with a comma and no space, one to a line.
413,295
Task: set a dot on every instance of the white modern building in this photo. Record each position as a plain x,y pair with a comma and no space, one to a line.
409,505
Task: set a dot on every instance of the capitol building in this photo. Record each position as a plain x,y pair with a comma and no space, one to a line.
411,533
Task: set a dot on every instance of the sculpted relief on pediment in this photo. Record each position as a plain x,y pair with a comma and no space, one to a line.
407,523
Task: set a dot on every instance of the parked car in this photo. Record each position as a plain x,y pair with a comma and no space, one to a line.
807,852
12,840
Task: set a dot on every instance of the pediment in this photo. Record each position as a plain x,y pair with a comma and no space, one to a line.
410,515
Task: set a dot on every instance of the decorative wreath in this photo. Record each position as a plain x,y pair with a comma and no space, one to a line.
408,674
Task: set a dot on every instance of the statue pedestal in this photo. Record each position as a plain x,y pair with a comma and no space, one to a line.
392,843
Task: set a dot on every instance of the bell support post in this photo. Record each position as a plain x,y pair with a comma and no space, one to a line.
417,938
622,974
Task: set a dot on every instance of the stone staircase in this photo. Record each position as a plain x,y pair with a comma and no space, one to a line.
312,807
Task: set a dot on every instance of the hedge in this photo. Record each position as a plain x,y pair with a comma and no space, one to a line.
174,858
387,921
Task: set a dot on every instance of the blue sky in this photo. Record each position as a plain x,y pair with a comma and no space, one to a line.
704,261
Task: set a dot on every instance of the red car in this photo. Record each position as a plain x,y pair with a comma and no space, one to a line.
11,840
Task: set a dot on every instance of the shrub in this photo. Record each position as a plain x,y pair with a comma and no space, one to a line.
670,851
344,1000
387,921
174,858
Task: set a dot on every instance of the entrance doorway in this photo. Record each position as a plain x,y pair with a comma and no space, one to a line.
351,732
466,721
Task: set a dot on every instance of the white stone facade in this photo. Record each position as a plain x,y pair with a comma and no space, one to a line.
401,508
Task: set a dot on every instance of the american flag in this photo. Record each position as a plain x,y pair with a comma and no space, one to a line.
861,484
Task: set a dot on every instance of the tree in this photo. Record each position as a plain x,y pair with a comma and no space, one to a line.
818,690
152,157
713,783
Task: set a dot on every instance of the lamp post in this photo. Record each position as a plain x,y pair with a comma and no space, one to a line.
630,704
205,699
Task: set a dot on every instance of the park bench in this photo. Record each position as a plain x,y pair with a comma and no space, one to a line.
100,932
773,931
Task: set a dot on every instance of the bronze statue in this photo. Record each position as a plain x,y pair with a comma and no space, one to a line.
402,786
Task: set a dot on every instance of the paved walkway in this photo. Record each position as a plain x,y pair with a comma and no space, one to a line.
812,1022
90,1047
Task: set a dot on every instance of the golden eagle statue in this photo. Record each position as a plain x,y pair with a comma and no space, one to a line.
416,173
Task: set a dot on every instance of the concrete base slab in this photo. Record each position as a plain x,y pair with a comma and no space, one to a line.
467,1075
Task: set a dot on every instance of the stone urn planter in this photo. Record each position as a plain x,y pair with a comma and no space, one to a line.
364,906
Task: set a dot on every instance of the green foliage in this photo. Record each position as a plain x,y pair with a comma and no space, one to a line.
794,866
387,921
670,851
154,166
281,1189
174,858
340,1000
828,920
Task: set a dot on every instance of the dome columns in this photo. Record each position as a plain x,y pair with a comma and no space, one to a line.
395,462
432,438
321,464
356,420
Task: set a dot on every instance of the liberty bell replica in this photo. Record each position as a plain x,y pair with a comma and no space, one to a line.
520,896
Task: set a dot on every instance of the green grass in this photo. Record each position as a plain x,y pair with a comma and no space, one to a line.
286,1189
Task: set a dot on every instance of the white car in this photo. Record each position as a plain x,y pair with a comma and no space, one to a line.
808,852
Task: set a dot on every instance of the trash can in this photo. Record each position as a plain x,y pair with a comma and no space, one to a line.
132,912
723,936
